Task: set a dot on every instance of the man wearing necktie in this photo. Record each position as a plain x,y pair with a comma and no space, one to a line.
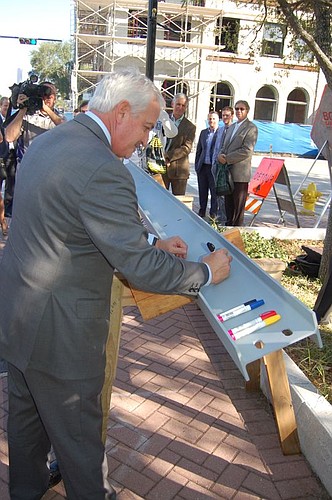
237,152
178,149
203,165
227,115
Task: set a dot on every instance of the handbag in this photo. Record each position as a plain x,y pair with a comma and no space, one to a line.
224,180
155,161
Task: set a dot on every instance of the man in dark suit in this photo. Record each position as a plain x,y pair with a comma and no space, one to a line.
237,151
178,149
227,114
56,276
203,166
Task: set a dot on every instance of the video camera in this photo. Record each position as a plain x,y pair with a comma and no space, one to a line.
34,92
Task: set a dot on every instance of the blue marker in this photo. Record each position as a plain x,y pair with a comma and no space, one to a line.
236,311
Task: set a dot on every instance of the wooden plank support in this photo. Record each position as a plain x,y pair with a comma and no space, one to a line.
112,350
277,379
282,402
254,372
234,236
150,305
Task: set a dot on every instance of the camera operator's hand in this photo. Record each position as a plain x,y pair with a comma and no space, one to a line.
51,113
219,263
21,98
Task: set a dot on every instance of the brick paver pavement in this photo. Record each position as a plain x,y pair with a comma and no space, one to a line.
181,425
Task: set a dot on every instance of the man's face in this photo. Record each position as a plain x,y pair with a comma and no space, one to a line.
213,120
84,108
4,107
179,107
49,100
241,111
129,131
227,117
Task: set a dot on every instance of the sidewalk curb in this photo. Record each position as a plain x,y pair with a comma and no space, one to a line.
314,420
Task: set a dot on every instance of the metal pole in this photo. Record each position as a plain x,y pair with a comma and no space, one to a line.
151,40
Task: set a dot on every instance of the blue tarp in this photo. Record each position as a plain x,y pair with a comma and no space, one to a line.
288,138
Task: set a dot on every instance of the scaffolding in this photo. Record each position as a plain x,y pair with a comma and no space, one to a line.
112,34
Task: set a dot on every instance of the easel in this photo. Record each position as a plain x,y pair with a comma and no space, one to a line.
270,173
152,305
285,204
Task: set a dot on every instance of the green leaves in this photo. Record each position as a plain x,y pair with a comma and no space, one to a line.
258,247
52,62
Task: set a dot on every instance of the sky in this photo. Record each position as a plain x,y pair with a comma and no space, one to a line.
29,19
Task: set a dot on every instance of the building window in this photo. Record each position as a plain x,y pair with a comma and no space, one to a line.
170,88
177,29
301,53
273,40
221,95
227,34
297,105
265,104
137,25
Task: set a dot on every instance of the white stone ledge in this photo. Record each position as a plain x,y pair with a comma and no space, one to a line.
288,233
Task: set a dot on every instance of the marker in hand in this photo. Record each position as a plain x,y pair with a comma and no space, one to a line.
210,246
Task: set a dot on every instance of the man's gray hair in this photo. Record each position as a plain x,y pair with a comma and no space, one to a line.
125,85
180,95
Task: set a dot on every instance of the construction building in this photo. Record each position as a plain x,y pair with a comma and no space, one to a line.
210,49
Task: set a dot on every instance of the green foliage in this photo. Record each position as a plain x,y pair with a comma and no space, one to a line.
258,247
52,62
316,363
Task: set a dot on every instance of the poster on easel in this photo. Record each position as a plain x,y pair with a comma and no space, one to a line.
265,176
321,132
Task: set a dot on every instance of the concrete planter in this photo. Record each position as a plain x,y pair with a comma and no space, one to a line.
274,267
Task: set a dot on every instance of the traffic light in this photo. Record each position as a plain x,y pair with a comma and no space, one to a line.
28,41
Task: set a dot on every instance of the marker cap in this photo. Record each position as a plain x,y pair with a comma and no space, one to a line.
258,303
272,319
249,302
268,314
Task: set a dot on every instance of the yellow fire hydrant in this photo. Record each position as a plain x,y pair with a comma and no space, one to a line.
309,196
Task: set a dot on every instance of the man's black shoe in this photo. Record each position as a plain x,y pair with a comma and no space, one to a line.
55,475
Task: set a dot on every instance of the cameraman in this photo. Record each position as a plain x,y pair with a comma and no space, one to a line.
25,127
